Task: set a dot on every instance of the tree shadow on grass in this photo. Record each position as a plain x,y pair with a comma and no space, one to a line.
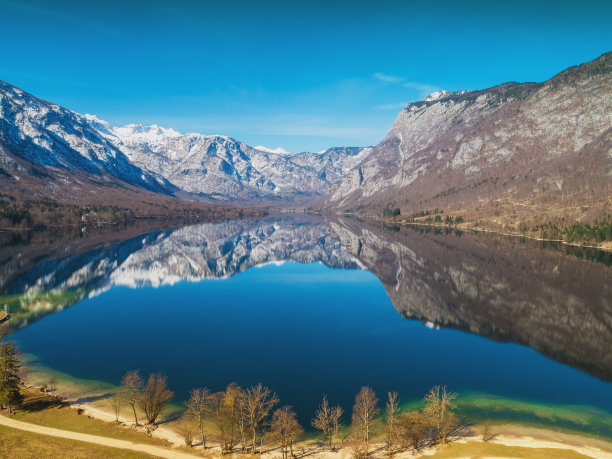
169,418
92,398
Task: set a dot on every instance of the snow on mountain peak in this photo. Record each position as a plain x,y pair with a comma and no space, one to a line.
278,150
436,95
146,133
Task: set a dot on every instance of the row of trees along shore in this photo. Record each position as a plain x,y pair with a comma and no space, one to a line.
243,420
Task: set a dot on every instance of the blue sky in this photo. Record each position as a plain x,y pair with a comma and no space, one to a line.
302,75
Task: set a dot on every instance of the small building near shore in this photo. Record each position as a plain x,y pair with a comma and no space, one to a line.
4,316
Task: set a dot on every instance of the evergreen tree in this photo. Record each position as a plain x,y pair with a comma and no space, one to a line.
9,376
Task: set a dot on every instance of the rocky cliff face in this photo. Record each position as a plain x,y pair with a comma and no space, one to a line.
531,149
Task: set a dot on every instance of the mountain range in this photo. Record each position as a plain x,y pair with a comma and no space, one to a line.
41,140
514,152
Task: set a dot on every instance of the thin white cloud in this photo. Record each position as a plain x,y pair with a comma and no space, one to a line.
392,79
423,88
395,106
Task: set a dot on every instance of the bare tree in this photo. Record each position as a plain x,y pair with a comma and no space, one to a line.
485,431
198,407
285,429
242,420
365,412
259,402
438,411
226,410
411,429
131,389
186,429
116,401
328,420
155,396
391,421
53,383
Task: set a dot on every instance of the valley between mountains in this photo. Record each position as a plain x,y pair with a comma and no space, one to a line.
517,155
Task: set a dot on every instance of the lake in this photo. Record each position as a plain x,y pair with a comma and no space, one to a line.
520,329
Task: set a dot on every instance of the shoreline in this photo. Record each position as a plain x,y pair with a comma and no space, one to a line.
604,247
511,435
93,399
507,434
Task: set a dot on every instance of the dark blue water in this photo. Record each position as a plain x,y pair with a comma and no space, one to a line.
302,329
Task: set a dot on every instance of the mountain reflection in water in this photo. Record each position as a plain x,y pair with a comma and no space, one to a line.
500,288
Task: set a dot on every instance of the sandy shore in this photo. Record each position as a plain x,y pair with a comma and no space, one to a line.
508,435
516,435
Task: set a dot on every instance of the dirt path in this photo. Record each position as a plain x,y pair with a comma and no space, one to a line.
161,432
103,441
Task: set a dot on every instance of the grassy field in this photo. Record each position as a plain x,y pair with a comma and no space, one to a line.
43,410
16,443
478,449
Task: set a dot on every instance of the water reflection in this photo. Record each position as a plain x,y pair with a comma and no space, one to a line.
500,288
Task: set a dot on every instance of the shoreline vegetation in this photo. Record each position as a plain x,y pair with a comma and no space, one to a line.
238,421
17,214
597,235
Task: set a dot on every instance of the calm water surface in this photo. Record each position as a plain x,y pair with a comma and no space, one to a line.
313,307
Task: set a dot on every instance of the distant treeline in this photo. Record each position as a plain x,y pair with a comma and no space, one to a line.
590,233
44,213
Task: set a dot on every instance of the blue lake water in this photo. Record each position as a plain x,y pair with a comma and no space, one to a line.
308,309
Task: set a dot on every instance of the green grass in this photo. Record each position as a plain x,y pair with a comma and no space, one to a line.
43,410
478,449
17,443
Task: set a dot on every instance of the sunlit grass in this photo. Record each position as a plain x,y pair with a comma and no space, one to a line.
30,445
479,449
41,409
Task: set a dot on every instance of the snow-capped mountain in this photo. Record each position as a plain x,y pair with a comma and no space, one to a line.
223,168
51,136
60,142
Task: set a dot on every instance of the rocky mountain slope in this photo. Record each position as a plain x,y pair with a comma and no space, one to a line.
39,140
45,143
517,151
222,168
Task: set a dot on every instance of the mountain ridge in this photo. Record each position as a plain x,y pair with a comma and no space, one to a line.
505,153
38,137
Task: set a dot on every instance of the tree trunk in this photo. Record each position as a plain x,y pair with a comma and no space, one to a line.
202,435
135,416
